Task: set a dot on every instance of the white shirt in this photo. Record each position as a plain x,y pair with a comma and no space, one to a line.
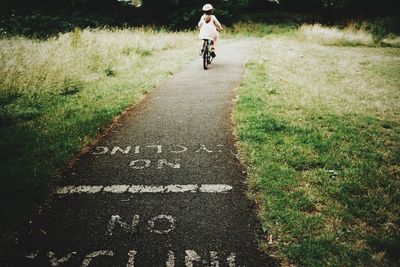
209,30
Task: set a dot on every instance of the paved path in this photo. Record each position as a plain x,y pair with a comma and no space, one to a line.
162,188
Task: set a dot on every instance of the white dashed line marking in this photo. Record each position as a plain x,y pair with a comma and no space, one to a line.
145,189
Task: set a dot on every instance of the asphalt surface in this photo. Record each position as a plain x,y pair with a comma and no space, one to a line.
178,139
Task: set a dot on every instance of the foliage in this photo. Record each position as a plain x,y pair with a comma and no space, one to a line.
246,29
41,18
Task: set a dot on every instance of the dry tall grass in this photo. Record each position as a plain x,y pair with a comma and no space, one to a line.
349,36
346,79
29,66
391,40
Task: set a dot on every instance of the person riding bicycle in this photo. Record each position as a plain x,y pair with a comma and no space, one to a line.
209,27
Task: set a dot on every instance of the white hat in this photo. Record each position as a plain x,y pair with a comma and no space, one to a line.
208,7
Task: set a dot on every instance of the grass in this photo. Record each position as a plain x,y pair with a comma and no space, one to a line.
349,36
57,94
318,125
380,31
317,119
248,29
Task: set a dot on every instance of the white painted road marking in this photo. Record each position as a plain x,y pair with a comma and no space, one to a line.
140,164
95,254
85,189
117,189
116,219
183,149
145,164
171,259
214,259
214,188
56,262
152,225
131,258
157,149
140,189
231,260
191,257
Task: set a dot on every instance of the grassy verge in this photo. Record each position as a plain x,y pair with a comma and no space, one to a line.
57,94
246,29
318,124
382,31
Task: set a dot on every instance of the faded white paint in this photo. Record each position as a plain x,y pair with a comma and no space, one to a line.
136,189
171,259
118,149
95,254
191,256
231,260
86,189
64,190
181,188
182,149
56,262
215,188
140,164
219,151
146,189
32,255
116,220
100,150
162,162
152,223
159,148
214,259
203,148
116,189
131,258
133,227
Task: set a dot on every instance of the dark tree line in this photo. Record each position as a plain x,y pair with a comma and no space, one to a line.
46,17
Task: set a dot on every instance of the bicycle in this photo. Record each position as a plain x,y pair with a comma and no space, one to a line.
206,53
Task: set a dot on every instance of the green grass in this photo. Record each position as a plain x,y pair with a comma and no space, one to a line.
319,128
57,94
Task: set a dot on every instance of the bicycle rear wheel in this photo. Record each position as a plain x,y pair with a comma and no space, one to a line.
205,57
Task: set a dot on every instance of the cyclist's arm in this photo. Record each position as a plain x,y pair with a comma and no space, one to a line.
217,24
201,22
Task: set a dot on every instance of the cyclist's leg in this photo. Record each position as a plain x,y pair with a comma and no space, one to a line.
216,38
213,46
214,43
203,44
